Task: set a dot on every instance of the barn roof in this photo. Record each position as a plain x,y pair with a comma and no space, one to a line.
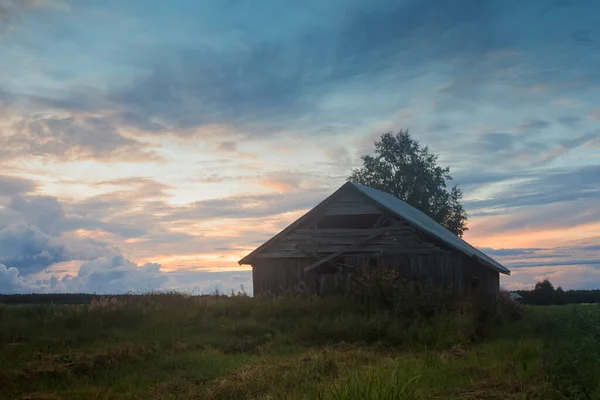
422,221
411,215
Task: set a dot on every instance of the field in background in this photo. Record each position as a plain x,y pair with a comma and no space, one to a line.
172,346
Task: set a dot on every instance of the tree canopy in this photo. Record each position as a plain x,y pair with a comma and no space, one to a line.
402,167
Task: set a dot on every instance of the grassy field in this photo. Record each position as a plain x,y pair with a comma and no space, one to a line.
172,346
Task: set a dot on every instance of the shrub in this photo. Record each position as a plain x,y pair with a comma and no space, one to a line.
510,308
384,289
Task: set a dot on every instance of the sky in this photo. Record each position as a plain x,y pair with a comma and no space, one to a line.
150,145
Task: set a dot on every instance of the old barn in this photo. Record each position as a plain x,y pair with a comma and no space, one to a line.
361,227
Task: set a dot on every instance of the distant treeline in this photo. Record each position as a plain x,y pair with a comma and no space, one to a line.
72,298
544,293
51,298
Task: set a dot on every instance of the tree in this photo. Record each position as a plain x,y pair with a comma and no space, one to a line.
544,286
544,293
402,167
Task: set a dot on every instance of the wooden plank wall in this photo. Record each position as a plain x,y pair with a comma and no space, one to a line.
487,288
301,242
351,203
442,270
277,277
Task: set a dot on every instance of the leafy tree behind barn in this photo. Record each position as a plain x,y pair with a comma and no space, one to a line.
402,167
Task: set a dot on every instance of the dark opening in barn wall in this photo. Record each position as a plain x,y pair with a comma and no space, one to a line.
359,221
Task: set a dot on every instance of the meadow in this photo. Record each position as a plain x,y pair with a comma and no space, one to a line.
171,346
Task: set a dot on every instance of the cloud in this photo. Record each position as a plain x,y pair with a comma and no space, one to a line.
115,275
498,142
227,146
71,139
212,87
44,212
539,187
533,125
568,277
267,83
509,252
246,206
569,121
11,185
567,145
144,188
9,280
28,249
12,11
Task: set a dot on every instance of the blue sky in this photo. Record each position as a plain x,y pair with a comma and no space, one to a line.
153,144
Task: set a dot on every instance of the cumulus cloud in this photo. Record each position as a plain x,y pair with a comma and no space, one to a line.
28,249
44,212
9,280
115,275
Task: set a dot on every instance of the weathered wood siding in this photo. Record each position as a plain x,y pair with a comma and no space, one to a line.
452,273
273,277
441,270
306,242
481,283
351,203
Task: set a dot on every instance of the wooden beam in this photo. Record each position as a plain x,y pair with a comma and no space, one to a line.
380,221
339,264
346,249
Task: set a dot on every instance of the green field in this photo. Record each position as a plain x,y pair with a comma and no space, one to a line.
173,346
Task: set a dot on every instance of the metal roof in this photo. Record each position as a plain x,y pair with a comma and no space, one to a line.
425,223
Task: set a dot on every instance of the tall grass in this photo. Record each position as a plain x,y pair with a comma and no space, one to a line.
172,346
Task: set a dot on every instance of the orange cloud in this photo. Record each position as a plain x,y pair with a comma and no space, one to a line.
481,233
278,185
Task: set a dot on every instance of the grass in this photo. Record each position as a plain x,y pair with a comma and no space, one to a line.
172,346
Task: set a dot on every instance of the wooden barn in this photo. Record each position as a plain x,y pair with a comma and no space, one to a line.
361,227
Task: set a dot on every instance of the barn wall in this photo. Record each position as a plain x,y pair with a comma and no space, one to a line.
274,277
481,283
452,273
439,270
280,276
